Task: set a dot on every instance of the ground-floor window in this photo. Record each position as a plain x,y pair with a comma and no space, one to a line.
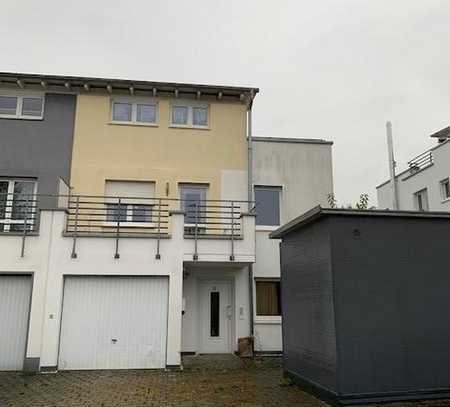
268,300
17,204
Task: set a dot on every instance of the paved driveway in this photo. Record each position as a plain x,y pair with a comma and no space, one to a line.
205,381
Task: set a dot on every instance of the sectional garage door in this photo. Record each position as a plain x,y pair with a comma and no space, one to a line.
15,297
114,323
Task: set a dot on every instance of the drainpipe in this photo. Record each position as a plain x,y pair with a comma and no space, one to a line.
250,198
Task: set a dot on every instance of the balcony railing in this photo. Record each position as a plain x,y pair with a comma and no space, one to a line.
119,217
421,161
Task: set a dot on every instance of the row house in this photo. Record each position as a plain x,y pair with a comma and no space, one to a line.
134,221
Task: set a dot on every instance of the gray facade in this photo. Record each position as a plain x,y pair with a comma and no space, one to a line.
371,286
40,149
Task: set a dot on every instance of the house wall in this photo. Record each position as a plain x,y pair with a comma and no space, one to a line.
304,171
429,178
217,156
391,290
40,149
309,333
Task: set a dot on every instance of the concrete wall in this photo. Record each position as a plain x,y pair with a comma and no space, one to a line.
160,153
391,299
309,334
429,178
303,168
40,149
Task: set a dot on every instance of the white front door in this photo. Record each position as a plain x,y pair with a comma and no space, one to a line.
216,314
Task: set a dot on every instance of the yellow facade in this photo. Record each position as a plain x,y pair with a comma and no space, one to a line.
161,154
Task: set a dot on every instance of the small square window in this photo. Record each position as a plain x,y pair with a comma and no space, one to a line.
268,298
200,116
32,107
146,113
180,115
122,112
8,105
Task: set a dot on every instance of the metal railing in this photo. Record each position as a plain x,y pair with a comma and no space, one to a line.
421,161
119,217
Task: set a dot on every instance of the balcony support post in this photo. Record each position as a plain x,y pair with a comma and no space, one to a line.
22,252
119,214
195,257
232,231
75,230
158,254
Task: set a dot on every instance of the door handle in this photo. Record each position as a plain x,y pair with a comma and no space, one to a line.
113,340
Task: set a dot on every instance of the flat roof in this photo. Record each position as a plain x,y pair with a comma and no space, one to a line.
318,212
291,140
75,83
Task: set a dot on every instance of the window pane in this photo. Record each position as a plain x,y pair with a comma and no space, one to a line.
8,105
32,107
142,213
215,314
192,200
3,198
122,112
200,116
146,113
268,298
22,199
267,206
179,115
112,212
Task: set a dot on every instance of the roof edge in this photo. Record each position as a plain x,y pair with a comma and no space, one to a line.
292,140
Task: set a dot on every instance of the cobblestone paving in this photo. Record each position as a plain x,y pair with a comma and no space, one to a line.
205,381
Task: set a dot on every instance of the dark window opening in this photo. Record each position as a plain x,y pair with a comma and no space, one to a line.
215,317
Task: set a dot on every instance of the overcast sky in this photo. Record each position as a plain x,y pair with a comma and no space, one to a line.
326,69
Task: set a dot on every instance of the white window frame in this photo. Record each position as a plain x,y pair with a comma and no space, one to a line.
128,223
265,319
270,228
200,226
20,96
442,188
134,102
190,119
423,193
8,221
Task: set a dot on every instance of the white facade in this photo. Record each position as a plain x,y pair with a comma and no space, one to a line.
47,260
302,169
426,181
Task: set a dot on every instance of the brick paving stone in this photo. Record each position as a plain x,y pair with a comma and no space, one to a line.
205,381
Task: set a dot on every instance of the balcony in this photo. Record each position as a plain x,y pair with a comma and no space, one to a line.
211,230
420,162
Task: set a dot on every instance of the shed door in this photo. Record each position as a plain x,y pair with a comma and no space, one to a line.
114,323
15,296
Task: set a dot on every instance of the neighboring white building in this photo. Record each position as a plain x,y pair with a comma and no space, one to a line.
425,185
290,176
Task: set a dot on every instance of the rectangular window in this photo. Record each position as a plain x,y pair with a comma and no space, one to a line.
421,200
445,188
193,199
134,112
21,107
268,299
136,202
215,314
187,115
17,205
267,201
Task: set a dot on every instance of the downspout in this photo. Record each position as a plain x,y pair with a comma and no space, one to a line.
250,198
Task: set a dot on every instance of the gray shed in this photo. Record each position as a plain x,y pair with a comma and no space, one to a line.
366,304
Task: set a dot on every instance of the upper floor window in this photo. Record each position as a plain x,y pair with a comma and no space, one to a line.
21,106
17,205
136,203
421,200
445,188
189,115
193,197
267,200
134,112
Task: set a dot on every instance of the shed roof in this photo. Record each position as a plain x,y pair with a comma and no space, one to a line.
318,212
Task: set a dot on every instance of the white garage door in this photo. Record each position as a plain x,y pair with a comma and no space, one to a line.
114,323
15,295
